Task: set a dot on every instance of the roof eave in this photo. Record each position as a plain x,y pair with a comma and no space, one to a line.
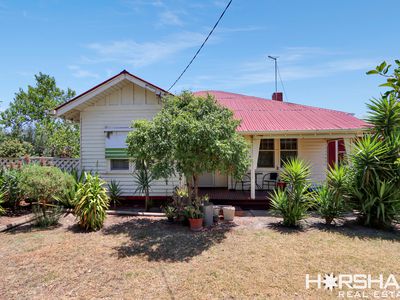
356,131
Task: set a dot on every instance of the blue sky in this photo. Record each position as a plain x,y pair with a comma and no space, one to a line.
324,47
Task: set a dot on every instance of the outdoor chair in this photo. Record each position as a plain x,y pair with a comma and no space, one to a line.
270,180
245,181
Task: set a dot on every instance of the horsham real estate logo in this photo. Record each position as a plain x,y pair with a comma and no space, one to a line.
358,286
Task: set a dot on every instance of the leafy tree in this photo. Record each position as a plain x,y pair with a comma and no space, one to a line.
15,148
29,117
191,135
43,184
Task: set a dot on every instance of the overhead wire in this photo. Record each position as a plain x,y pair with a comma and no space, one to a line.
201,47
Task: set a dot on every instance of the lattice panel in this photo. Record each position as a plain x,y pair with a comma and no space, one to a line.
66,164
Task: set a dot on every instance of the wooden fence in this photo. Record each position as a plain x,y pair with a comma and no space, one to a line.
66,164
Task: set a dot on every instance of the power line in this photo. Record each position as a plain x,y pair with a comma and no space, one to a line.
202,45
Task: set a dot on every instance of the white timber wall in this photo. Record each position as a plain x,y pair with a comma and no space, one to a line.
314,151
118,109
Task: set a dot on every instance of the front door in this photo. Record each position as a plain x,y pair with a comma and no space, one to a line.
213,180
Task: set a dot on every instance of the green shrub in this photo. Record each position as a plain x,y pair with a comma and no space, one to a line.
330,198
170,212
193,212
9,184
293,202
51,218
68,198
42,184
15,148
180,200
375,172
2,210
329,206
114,191
92,202
375,181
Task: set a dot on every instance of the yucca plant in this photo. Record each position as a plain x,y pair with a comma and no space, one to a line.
375,172
92,202
379,204
330,198
329,205
114,191
293,202
143,180
376,181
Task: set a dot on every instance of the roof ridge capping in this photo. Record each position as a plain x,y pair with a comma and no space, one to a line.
233,96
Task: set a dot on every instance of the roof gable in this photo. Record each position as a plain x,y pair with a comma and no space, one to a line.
74,103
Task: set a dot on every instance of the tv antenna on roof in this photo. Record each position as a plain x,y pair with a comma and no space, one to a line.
275,59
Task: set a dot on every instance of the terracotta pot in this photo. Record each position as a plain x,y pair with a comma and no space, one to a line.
196,224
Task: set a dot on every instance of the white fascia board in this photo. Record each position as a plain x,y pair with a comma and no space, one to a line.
104,87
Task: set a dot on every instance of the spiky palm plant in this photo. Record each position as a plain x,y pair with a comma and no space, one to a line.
293,202
114,191
330,199
143,180
92,202
384,114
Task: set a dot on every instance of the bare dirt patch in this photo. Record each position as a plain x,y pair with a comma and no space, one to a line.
148,258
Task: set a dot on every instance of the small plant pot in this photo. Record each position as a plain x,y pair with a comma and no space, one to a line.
170,219
229,213
196,224
208,215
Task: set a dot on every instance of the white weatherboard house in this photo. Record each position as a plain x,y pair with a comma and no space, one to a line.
274,129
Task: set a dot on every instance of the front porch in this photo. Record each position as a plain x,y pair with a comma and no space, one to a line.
242,199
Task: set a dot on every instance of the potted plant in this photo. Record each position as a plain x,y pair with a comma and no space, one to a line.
195,217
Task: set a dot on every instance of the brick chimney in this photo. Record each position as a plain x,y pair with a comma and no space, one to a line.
278,96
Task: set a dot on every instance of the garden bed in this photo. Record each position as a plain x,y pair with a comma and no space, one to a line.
136,257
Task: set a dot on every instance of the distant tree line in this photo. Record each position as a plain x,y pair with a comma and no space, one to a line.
27,126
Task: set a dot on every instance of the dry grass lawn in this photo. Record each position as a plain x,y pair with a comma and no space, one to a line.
147,258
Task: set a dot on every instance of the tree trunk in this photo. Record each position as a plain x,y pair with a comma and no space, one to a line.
196,187
147,198
146,189
189,187
43,204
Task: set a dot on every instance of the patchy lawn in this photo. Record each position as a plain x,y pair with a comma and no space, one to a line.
147,258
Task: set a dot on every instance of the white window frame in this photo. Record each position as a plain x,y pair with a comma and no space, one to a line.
273,151
291,150
130,170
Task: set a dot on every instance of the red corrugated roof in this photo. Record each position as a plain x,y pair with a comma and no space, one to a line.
259,114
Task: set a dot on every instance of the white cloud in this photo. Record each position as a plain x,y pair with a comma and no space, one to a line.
138,54
295,63
78,72
241,29
169,17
